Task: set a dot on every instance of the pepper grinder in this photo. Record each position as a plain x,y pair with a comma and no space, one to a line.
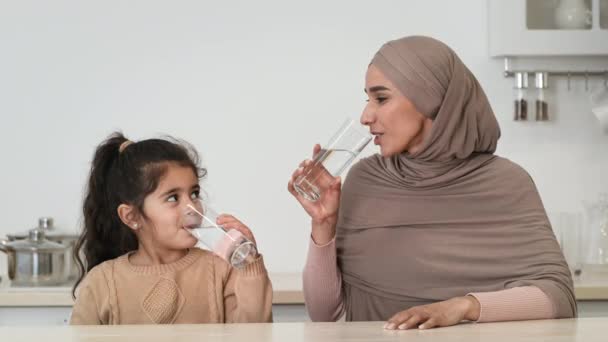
521,105
542,107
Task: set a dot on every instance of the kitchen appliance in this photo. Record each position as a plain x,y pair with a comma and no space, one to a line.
35,261
58,236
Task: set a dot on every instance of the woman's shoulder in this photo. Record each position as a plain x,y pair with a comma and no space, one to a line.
508,167
366,167
370,169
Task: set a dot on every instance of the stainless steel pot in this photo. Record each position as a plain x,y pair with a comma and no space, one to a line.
52,234
35,261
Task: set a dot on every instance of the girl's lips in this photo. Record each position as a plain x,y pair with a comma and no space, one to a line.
191,221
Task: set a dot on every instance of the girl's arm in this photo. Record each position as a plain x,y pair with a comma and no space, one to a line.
92,306
248,294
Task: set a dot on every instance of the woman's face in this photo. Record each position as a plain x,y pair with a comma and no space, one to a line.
394,121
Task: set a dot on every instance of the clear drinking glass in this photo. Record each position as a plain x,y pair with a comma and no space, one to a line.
599,105
333,158
568,229
230,244
571,240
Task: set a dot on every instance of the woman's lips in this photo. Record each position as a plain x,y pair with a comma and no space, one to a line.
377,139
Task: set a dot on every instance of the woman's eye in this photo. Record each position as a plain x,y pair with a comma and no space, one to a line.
172,198
381,99
195,195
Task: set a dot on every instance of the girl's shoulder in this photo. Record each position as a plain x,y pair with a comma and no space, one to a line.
208,259
102,271
120,268
98,279
210,262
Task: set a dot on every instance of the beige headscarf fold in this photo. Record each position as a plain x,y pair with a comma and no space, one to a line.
452,218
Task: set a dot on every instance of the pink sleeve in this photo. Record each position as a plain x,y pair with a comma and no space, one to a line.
324,302
515,304
323,283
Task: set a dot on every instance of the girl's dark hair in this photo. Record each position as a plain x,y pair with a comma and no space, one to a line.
118,177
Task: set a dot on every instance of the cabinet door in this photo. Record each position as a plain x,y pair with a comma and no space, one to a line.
58,315
548,27
289,313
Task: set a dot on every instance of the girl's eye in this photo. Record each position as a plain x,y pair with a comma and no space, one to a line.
172,198
381,99
195,194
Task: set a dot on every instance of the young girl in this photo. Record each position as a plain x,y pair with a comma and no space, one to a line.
140,261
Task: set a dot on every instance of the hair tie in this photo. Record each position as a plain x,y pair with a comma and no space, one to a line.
124,145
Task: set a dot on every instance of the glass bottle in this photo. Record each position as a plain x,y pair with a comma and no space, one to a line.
542,106
521,104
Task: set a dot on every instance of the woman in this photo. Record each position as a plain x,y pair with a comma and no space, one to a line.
436,229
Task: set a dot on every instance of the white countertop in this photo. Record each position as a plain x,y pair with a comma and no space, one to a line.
591,286
581,329
287,290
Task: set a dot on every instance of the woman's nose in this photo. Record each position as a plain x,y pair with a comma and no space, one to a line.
367,116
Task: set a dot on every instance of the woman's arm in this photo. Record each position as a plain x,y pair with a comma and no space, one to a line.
518,303
323,283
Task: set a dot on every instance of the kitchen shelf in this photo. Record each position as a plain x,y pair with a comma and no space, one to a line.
532,28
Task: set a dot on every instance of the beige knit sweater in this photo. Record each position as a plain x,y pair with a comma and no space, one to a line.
198,288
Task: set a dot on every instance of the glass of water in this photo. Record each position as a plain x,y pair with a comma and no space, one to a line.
333,158
568,232
230,244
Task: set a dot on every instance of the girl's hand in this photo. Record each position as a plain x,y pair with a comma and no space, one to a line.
324,211
441,314
230,222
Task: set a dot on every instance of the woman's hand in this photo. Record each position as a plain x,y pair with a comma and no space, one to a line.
324,211
230,222
441,314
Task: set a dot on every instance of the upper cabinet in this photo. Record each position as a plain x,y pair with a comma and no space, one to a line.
548,27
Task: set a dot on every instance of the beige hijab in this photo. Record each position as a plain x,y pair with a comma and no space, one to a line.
452,218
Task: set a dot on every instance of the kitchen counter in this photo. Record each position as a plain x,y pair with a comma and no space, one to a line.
582,329
287,289
591,286
51,306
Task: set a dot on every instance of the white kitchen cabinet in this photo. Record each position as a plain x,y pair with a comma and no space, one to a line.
548,27
57,315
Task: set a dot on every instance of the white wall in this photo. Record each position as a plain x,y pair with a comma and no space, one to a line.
252,84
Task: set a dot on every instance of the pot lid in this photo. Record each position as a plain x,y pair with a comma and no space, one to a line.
46,223
35,242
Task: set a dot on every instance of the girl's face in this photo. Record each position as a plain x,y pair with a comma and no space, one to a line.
392,118
164,208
